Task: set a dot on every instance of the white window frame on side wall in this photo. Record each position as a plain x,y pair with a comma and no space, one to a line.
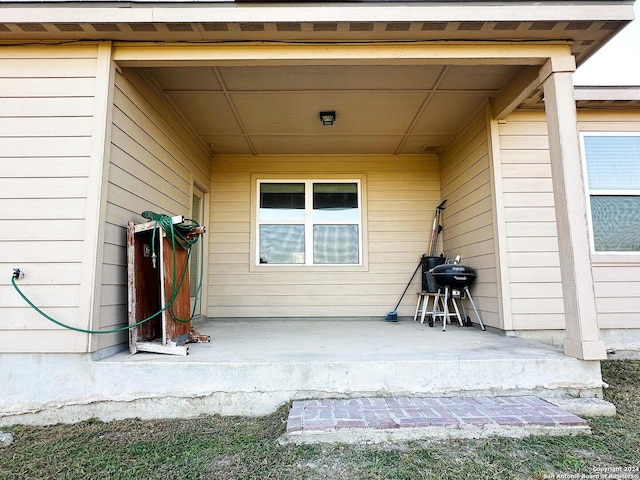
603,192
309,222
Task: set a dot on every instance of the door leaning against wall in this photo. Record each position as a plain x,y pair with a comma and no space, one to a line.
195,266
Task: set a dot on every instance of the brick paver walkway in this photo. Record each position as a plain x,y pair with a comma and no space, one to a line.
328,415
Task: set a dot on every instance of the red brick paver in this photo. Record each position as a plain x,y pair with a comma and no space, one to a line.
414,412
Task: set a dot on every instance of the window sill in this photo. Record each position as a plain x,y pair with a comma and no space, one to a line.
265,267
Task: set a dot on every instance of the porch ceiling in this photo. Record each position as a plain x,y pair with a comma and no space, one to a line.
382,109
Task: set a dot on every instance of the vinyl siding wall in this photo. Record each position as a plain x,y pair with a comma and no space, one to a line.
530,223
47,127
530,226
468,219
536,292
154,162
616,277
399,197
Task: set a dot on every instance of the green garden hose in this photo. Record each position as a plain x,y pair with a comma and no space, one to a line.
177,234
115,330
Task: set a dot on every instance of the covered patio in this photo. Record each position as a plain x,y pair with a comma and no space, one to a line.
416,124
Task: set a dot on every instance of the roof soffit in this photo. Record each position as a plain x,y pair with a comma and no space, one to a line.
587,25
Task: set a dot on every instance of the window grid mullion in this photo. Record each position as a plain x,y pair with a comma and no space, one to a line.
308,226
594,192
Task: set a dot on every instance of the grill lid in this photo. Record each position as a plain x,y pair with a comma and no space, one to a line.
453,275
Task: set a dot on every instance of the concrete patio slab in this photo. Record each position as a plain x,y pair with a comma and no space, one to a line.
251,367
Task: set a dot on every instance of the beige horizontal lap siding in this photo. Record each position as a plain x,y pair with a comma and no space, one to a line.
154,161
46,126
531,235
616,276
468,218
399,195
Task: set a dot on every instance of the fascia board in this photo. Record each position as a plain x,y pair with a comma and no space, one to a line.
44,12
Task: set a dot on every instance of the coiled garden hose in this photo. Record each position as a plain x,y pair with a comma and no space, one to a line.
178,235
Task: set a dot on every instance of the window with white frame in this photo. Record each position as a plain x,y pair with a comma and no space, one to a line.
309,222
613,183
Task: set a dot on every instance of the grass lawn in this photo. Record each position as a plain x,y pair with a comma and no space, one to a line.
248,448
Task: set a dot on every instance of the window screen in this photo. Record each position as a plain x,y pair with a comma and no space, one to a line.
613,163
335,244
613,174
282,244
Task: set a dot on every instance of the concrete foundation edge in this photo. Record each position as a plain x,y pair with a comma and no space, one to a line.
359,436
584,407
252,404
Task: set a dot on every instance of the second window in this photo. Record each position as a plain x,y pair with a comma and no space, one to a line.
309,222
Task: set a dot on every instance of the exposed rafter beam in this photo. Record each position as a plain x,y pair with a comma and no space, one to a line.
518,88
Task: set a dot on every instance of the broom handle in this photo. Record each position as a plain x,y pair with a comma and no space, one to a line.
407,287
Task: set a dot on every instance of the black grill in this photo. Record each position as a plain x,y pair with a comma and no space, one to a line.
453,275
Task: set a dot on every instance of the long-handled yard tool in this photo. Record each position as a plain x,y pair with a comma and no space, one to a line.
392,316
436,229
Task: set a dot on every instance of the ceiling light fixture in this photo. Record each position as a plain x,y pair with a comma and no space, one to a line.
327,118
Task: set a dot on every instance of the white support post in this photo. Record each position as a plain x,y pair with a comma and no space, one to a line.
582,332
